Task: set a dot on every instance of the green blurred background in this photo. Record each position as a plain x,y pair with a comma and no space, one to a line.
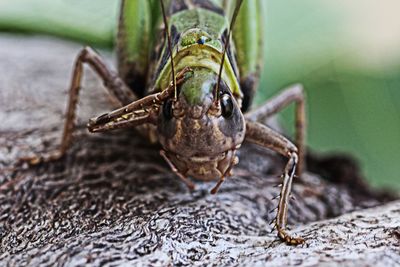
346,53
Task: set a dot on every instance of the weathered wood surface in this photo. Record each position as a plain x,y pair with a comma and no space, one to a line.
113,201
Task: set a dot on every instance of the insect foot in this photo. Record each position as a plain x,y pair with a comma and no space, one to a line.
40,158
289,240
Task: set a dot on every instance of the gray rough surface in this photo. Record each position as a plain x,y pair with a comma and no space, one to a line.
113,201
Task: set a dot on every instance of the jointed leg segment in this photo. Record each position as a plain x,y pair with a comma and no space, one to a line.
113,83
266,137
283,205
294,93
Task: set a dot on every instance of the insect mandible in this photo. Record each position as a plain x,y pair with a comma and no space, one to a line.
186,78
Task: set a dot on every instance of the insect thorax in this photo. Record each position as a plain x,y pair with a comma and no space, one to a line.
198,37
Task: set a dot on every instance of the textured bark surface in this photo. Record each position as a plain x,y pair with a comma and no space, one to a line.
112,200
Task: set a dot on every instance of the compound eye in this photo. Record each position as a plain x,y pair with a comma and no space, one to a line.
226,105
167,109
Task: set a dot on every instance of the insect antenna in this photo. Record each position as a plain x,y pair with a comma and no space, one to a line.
227,41
169,47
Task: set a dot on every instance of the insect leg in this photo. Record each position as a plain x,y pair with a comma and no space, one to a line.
111,81
294,93
141,111
264,136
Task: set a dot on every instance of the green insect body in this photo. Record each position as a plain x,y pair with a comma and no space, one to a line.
189,23
184,82
198,31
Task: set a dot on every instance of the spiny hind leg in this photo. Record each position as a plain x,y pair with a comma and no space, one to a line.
116,87
294,93
266,137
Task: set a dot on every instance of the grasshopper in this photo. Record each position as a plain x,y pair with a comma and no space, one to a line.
186,79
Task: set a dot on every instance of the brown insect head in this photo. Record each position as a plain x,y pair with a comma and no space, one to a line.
201,135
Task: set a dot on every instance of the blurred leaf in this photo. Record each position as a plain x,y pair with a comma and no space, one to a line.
75,19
